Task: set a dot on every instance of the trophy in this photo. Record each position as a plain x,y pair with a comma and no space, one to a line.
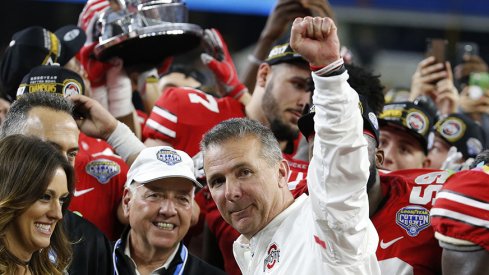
143,32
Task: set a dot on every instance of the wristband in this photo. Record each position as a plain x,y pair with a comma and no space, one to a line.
124,141
325,71
254,60
315,68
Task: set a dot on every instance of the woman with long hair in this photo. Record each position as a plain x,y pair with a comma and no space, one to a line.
36,184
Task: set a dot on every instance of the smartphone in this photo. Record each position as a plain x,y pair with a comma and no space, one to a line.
465,48
437,48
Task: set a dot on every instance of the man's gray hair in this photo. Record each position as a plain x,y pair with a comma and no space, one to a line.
16,118
237,128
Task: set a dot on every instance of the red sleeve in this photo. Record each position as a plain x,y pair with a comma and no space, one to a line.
162,122
461,209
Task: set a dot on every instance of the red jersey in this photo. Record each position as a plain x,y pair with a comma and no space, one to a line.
93,146
461,209
407,242
181,116
298,171
100,179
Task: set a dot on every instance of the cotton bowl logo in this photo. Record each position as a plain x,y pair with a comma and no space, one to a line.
413,219
71,87
417,121
272,258
103,169
452,129
169,157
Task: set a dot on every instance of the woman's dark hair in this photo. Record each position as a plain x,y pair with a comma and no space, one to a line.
27,166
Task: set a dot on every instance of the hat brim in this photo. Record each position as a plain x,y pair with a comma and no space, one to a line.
398,125
157,174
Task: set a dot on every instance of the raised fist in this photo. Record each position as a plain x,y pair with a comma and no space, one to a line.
315,38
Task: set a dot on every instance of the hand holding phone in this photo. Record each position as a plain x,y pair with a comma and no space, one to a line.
438,49
465,49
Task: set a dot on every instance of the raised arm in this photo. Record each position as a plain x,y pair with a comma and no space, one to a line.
338,171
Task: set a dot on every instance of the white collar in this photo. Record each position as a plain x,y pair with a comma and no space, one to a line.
127,251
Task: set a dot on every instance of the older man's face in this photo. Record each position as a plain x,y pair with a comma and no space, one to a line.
159,213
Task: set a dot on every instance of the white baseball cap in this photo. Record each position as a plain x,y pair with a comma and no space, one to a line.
154,163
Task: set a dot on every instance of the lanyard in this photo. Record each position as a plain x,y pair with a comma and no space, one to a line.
178,269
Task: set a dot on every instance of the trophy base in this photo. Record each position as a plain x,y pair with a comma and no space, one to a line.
150,45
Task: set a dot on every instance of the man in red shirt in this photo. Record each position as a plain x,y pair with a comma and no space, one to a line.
460,218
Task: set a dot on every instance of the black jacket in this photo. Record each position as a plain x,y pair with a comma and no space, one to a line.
91,249
193,265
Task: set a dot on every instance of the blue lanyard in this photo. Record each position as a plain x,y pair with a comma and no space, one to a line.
184,256
178,270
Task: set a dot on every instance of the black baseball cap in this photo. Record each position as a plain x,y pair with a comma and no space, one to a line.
72,39
415,119
370,123
281,52
463,133
52,79
34,46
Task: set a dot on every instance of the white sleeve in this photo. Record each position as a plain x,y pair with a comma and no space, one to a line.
339,170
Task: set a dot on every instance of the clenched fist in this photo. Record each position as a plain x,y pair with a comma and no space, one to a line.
315,38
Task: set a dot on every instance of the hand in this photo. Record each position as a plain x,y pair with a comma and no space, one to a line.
452,161
219,61
316,40
92,119
472,64
446,95
474,106
425,78
94,68
279,19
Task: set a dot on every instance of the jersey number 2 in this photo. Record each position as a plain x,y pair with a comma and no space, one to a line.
210,103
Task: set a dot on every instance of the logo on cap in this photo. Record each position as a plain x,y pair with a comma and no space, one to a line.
277,51
452,129
71,87
71,35
169,157
474,146
417,121
373,119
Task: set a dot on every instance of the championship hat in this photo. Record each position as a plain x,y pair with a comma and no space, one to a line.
411,117
370,123
52,79
463,133
281,52
36,46
160,162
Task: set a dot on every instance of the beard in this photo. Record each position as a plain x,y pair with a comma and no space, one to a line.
282,130
372,178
